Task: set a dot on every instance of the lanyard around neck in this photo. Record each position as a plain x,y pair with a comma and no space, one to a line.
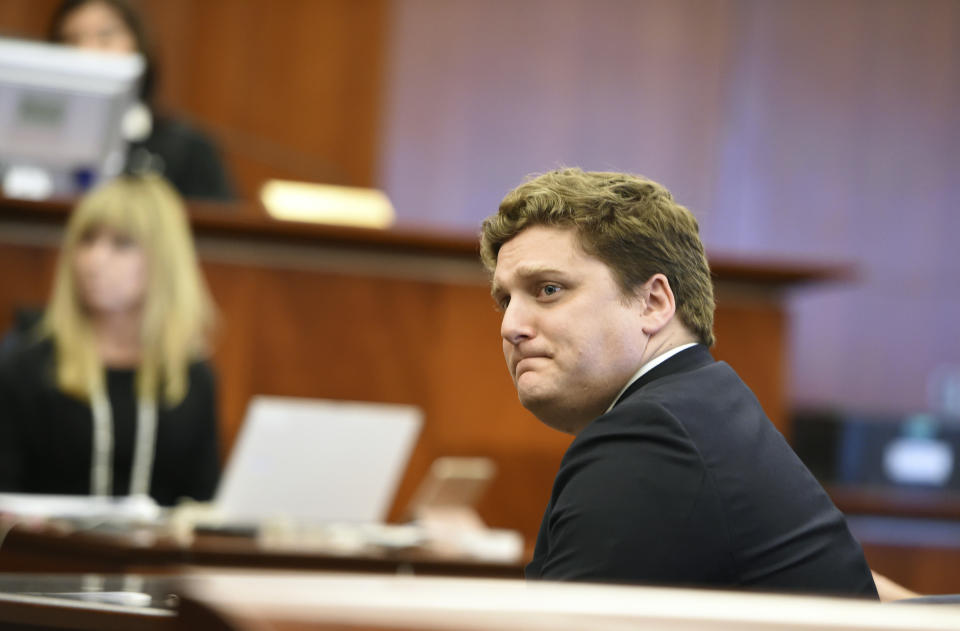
101,470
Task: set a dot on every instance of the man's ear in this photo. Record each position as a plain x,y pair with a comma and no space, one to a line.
658,305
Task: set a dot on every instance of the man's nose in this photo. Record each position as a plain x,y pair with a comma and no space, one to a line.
517,323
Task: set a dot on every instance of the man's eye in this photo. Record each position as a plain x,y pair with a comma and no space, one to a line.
549,290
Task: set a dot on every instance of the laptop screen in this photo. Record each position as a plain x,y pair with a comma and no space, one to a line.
316,461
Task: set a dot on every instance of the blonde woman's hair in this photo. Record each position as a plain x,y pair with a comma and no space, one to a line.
178,312
629,222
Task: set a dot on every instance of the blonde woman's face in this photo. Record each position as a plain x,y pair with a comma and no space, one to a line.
111,272
97,26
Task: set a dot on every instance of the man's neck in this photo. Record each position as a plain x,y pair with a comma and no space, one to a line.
661,346
670,337
650,365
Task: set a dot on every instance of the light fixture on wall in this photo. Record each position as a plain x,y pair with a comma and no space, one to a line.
327,204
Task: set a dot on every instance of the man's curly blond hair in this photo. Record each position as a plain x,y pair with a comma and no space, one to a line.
630,223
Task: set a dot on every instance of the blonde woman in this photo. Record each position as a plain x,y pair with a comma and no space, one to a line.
109,394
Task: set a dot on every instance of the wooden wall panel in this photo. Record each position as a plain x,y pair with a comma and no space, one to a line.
26,276
745,326
235,296
25,18
288,88
926,569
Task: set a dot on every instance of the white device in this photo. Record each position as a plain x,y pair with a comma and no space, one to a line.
317,461
61,112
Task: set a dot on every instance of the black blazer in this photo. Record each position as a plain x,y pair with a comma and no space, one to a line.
686,482
46,435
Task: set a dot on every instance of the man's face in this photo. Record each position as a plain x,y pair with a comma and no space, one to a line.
571,338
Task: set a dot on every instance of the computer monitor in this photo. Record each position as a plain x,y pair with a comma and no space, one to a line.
881,451
61,111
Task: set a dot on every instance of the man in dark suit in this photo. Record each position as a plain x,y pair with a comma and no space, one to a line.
676,476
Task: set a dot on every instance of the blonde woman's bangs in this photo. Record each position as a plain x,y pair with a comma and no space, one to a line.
179,313
112,208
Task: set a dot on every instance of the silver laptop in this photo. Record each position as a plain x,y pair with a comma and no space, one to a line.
315,461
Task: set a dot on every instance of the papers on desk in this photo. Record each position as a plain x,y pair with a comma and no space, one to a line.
486,545
350,538
81,508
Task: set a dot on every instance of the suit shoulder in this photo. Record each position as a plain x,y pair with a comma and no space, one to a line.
642,414
636,434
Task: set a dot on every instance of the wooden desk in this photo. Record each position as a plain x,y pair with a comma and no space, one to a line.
909,535
398,316
920,554
299,601
143,552
318,601
45,603
920,503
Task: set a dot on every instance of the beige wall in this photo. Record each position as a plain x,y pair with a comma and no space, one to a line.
810,129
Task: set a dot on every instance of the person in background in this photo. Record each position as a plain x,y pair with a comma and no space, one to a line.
675,476
109,393
169,146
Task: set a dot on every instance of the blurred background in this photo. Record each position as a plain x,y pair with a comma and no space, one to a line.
819,131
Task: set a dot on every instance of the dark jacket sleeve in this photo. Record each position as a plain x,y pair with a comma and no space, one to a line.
635,506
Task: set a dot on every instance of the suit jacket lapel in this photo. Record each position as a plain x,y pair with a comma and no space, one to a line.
686,360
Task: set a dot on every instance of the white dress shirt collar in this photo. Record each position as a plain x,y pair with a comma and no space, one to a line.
650,365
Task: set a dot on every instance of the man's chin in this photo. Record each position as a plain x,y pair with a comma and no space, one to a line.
535,398
550,412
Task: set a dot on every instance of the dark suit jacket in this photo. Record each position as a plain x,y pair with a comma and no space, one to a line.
686,482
